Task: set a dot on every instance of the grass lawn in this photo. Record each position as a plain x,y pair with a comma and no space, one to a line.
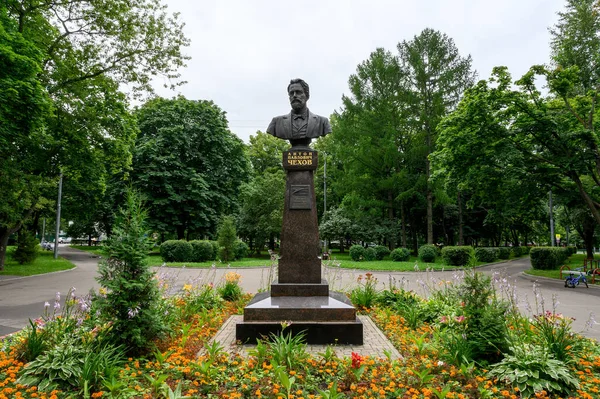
96,250
45,263
575,261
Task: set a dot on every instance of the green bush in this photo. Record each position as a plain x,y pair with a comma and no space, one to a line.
215,245
517,251
370,254
458,256
202,251
572,250
503,252
240,249
27,248
525,250
547,258
486,254
381,252
427,253
176,251
400,255
357,253
227,237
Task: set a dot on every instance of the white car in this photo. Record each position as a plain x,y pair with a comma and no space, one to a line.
64,240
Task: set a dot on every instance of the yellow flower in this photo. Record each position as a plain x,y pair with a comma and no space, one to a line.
187,287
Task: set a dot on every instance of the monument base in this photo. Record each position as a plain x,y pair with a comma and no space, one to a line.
300,289
323,319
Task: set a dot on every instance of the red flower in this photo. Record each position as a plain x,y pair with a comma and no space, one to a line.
356,360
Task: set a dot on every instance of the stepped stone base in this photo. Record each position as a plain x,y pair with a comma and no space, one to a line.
323,319
295,289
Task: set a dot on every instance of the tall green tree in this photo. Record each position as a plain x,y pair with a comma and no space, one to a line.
24,106
436,76
188,165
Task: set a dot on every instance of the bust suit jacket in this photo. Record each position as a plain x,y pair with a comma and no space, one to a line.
281,126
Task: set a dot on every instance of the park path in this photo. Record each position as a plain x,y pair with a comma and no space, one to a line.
24,298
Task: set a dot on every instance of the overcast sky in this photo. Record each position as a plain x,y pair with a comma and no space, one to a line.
245,52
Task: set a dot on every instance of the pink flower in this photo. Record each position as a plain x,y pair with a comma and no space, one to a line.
460,319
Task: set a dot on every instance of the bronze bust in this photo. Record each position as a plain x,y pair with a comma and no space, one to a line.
300,125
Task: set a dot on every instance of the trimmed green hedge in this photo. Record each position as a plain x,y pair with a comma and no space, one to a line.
458,256
357,253
400,255
176,251
503,253
240,249
486,254
427,253
202,251
548,258
381,252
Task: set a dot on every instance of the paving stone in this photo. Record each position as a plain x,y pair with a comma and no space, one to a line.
375,342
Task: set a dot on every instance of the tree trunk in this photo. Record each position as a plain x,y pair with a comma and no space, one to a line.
403,216
461,240
392,238
89,240
271,242
180,232
588,237
3,244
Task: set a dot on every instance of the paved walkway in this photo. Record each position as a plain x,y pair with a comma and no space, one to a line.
23,298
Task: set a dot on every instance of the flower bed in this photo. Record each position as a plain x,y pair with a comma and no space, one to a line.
438,362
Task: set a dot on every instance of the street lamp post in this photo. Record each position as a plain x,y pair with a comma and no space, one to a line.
58,216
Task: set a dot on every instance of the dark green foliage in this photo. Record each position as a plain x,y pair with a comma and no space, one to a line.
486,254
227,238
572,250
240,249
132,298
458,256
27,248
188,164
202,251
357,253
428,253
400,255
547,258
485,316
370,254
503,252
176,251
525,250
381,252
517,251
215,245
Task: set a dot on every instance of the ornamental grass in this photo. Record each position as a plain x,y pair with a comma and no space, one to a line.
437,361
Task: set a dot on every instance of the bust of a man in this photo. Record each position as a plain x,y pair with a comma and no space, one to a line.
300,125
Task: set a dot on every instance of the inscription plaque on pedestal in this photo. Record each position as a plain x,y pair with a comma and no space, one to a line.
300,197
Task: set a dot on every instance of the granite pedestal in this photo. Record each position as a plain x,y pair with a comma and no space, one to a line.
300,299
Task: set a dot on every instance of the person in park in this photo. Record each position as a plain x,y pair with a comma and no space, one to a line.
300,125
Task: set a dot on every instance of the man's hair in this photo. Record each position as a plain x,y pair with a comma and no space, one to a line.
303,84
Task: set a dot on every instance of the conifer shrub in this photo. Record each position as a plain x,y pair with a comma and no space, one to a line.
486,254
176,251
132,298
400,255
202,251
357,253
381,252
427,253
27,248
458,255
227,236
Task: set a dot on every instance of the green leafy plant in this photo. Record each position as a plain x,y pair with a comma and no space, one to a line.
553,331
365,294
370,254
331,393
202,251
532,369
35,343
240,249
288,350
230,290
486,254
